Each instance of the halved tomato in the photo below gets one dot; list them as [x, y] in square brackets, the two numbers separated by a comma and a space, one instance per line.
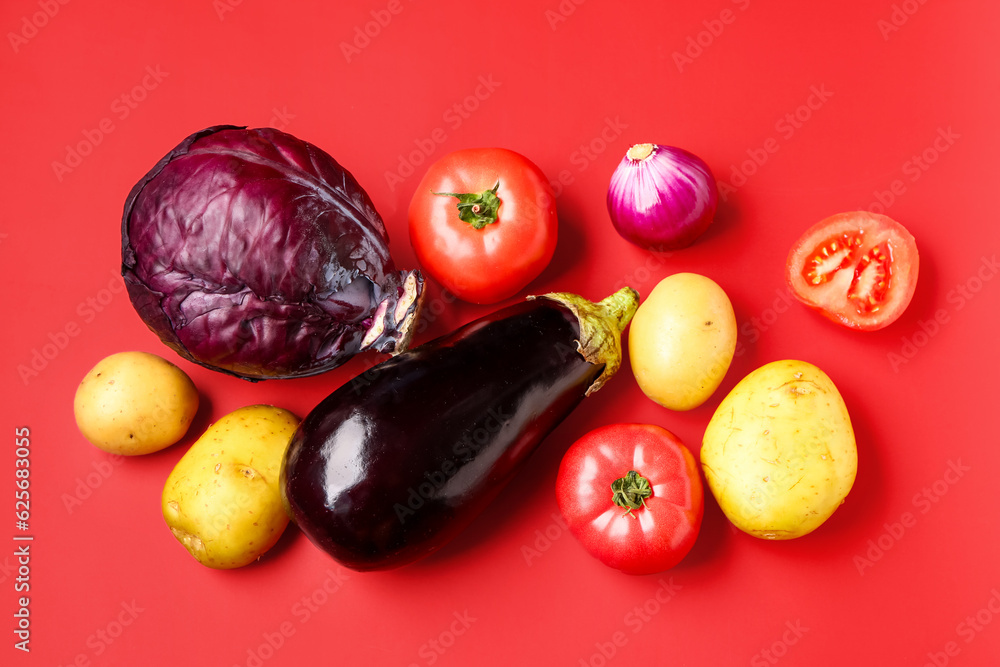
[858, 268]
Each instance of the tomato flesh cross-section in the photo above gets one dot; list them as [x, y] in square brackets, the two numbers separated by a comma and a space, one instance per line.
[858, 269]
[835, 254]
[872, 278]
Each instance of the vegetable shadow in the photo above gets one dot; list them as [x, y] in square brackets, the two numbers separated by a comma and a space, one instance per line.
[866, 502]
[529, 500]
[290, 535]
[169, 456]
[925, 303]
[715, 531]
[727, 214]
[570, 245]
[529, 497]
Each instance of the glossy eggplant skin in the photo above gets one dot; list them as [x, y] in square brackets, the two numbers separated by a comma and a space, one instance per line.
[394, 464]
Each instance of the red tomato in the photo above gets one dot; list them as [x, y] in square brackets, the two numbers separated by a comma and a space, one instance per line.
[483, 223]
[859, 269]
[632, 495]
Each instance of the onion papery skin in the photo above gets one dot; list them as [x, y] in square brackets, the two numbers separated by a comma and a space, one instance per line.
[662, 197]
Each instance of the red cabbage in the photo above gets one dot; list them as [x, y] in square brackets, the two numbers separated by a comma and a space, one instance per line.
[255, 253]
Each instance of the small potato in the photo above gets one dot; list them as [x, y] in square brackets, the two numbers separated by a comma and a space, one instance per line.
[223, 500]
[134, 403]
[779, 453]
[682, 340]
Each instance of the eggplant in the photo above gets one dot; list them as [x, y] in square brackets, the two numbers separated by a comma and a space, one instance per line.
[395, 463]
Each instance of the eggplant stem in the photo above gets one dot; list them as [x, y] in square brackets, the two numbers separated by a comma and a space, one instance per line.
[601, 327]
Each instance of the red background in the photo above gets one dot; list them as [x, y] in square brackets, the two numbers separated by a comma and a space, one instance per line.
[571, 85]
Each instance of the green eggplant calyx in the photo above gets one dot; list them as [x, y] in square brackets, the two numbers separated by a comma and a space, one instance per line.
[601, 327]
[477, 208]
[631, 491]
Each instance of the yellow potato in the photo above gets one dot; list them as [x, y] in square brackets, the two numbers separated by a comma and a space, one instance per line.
[223, 499]
[134, 403]
[682, 340]
[779, 453]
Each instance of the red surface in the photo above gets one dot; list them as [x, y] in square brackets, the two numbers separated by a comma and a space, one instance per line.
[801, 109]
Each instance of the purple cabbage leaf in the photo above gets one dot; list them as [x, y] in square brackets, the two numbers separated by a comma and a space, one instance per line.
[255, 253]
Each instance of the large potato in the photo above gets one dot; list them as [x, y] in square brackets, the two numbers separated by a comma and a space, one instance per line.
[222, 501]
[779, 453]
[134, 403]
[682, 340]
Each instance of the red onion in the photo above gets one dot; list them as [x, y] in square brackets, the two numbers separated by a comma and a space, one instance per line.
[662, 197]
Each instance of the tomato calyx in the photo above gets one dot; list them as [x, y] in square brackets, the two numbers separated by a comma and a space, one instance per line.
[631, 491]
[477, 208]
[652, 475]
